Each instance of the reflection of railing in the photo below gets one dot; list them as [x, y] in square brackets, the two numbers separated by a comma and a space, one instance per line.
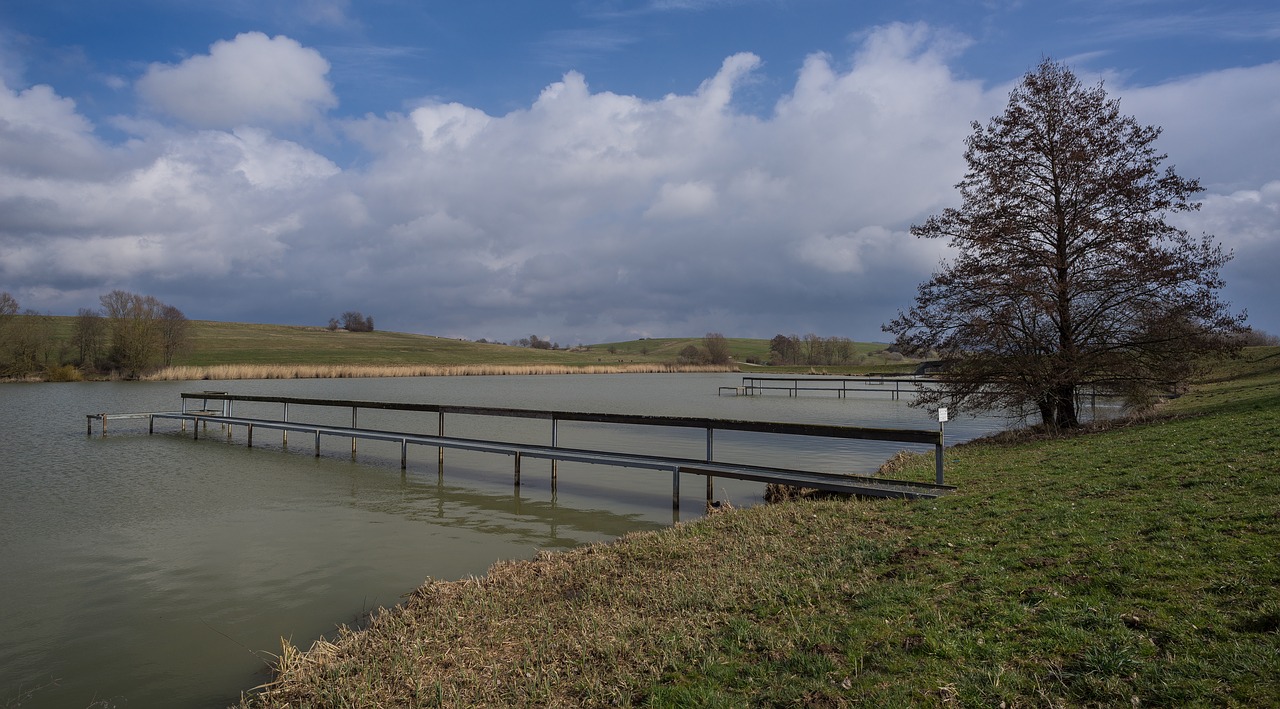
[794, 386]
[709, 467]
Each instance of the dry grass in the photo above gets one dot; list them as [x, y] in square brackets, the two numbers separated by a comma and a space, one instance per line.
[352, 371]
[594, 626]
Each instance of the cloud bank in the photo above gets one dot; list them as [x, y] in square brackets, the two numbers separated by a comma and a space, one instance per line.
[584, 217]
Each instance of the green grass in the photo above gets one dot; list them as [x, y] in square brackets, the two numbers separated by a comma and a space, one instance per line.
[1136, 566]
[213, 343]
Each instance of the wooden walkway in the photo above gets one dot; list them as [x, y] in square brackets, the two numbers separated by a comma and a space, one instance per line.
[201, 416]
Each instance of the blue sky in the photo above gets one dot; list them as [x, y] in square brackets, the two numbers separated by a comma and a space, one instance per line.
[583, 171]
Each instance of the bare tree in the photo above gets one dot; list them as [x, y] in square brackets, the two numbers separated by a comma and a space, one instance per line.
[355, 321]
[174, 328]
[1068, 273]
[26, 344]
[135, 331]
[717, 348]
[87, 337]
[8, 306]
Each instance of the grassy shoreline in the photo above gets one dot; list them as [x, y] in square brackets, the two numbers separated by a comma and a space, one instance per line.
[1132, 567]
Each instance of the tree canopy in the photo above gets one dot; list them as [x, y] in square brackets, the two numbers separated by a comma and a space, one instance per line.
[1068, 272]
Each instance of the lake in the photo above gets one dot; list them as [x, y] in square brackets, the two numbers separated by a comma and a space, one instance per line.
[159, 570]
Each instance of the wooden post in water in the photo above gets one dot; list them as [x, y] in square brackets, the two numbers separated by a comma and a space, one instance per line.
[284, 432]
[517, 468]
[353, 438]
[317, 443]
[250, 436]
[404, 453]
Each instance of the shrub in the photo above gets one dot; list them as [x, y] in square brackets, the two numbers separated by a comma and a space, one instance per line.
[63, 373]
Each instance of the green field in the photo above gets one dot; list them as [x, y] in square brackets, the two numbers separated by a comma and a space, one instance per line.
[213, 343]
[1135, 566]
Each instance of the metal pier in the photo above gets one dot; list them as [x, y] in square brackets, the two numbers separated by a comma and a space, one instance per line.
[200, 417]
[753, 385]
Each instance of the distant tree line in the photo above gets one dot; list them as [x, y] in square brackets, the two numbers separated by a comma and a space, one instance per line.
[810, 350]
[535, 342]
[129, 336]
[352, 321]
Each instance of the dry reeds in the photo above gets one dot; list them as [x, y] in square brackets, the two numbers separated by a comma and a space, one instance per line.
[352, 371]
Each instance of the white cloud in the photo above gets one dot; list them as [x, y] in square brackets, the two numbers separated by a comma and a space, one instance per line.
[1222, 127]
[250, 80]
[584, 216]
[42, 134]
[683, 201]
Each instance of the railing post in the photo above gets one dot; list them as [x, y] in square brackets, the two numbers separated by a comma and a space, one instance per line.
[555, 443]
[284, 432]
[440, 454]
[404, 453]
[710, 455]
[353, 436]
[675, 488]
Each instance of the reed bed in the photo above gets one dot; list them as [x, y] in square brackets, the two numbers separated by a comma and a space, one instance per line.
[353, 371]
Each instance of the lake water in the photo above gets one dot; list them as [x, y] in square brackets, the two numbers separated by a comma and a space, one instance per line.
[158, 570]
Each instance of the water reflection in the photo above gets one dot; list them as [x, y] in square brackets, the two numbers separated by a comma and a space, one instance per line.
[160, 571]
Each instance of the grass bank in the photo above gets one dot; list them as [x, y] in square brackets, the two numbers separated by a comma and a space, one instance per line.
[1131, 567]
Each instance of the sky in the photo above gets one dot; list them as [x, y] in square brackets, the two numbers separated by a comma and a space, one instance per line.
[581, 171]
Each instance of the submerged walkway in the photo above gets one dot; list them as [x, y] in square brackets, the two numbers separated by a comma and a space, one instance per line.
[708, 466]
[755, 385]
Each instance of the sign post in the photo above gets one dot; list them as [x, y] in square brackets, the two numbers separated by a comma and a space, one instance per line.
[942, 420]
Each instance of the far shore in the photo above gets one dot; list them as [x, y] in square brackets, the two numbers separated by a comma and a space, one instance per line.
[353, 371]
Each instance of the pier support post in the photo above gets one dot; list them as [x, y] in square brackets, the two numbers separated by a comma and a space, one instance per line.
[555, 443]
[517, 468]
[404, 453]
[151, 425]
[710, 455]
[317, 443]
[195, 428]
[249, 434]
[440, 454]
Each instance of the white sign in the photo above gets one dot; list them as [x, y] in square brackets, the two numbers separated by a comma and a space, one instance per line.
[942, 415]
